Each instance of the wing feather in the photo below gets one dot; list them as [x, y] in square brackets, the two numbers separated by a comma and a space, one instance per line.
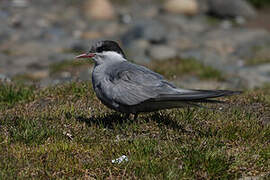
[131, 84]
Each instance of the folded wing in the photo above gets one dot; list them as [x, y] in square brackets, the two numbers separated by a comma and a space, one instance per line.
[131, 84]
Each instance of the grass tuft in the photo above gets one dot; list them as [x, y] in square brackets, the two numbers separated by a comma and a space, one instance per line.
[11, 94]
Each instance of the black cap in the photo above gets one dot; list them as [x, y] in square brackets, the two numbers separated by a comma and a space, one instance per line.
[103, 46]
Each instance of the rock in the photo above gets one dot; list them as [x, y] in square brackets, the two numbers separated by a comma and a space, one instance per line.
[111, 29]
[234, 41]
[125, 18]
[155, 32]
[150, 30]
[78, 46]
[40, 74]
[133, 33]
[162, 52]
[188, 7]
[252, 178]
[184, 24]
[99, 9]
[231, 8]
[136, 51]
[203, 6]
[91, 35]
[4, 78]
[255, 76]
[150, 12]
[20, 3]
[16, 21]
[182, 42]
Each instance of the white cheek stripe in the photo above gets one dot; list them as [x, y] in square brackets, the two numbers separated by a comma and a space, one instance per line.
[112, 54]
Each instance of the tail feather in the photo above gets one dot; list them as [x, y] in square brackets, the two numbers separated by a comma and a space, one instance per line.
[196, 96]
[186, 98]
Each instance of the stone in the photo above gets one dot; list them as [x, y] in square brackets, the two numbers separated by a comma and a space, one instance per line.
[184, 24]
[78, 46]
[231, 8]
[111, 29]
[99, 9]
[252, 178]
[234, 41]
[162, 52]
[125, 18]
[136, 51]
[40, 74]
[255, 76]
[150, 30]
[91, 35]
[20, 3]
[188, 7]
[4, 78]
[182, 43]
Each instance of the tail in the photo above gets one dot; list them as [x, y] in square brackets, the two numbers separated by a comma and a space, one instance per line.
[196, 96]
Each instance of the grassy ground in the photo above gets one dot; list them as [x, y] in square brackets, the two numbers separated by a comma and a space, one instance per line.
[65, 132]
[259, 3]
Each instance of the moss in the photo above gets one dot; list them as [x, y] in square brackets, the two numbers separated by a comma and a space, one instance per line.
[7, 52]
[257, 61]
[21, 78]
[259, 3]
[67, 65]
[183, 67]
[261, 55]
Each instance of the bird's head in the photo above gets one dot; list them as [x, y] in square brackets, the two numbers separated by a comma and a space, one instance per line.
[104, 52]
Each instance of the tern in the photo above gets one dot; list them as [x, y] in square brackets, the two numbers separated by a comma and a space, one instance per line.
[131, 89]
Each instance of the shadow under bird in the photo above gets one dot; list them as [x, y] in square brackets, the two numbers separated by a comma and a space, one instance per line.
[132, 89]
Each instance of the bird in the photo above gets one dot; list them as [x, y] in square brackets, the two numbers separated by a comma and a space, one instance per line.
[132, 89]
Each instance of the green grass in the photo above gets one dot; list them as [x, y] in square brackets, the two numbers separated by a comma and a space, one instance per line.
[261, 56]
[67, 65]
[25, 78]
[64, 132]
[186, 67]
[260, 3]
[10, 94]
[257, 61]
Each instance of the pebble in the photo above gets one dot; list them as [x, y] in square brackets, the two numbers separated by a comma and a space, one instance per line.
[231, 8]
[99, 10]
[121, 159]
[20, 3]
[162, 52]
[188, 7]
[4, 78]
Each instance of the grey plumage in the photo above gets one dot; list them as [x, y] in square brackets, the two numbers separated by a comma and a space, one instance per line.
[130, 88]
